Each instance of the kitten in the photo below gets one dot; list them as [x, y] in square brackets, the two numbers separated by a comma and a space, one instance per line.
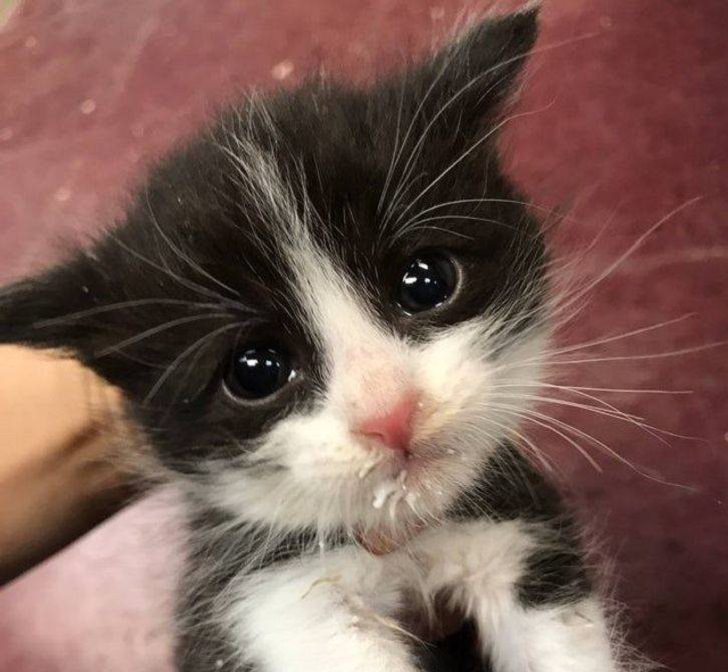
[319, 312]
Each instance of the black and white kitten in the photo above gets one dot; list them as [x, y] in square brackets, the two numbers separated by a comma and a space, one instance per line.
[320, 312]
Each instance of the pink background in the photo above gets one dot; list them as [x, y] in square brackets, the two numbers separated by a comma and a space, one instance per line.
[629, 123]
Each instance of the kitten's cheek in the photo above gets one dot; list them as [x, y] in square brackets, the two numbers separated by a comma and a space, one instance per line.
[453, 370]
[319, 449]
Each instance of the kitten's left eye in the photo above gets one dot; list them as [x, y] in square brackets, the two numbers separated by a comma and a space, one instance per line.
[428, 282]
[258, 372]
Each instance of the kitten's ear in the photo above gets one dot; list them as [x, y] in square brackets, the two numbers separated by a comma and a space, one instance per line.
[473, 76]
[45, 311]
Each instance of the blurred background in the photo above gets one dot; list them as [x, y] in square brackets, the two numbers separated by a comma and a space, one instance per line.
[629, 101]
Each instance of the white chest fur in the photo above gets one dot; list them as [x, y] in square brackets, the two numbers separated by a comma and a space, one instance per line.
[339, 611]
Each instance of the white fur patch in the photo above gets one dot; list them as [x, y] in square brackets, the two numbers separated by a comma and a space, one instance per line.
[339, 610]
[569, 638]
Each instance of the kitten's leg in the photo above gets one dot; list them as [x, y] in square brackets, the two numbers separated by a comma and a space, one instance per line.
[527, 594]
[570, 637]
[332, 613]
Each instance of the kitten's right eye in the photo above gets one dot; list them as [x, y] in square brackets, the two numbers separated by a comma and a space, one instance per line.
[258, 372]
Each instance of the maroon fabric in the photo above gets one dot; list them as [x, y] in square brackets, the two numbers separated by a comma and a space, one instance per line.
[626, 107]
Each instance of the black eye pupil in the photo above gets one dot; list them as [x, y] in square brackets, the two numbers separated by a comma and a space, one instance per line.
[428, 282]
[258, 372]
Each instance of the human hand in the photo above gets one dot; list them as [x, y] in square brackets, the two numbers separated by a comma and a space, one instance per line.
[56, 478]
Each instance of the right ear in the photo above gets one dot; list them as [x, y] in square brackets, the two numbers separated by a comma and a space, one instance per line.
[94, 307]
[38, 311]
[125, 315]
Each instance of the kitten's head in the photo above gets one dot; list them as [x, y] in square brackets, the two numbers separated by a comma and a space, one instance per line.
[319, 309]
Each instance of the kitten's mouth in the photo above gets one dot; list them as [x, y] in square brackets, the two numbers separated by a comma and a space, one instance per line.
[402, 494]
[402, 480]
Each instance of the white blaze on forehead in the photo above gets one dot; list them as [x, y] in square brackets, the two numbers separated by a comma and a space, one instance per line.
[368, 366]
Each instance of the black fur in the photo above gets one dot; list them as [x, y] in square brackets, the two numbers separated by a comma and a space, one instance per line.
[197, 253]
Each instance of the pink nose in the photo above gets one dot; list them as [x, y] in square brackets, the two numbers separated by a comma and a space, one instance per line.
[394, 428]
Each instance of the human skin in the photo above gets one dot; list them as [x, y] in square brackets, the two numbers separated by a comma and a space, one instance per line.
[56, 478]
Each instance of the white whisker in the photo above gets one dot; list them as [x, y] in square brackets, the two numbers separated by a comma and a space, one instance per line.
[121, 305]
[464, 155]
[625, 255]
[183, 355]
[619, 337]
[654, 355]
[171, 324]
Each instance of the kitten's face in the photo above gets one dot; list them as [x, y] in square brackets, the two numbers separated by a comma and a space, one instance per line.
[320, 309]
